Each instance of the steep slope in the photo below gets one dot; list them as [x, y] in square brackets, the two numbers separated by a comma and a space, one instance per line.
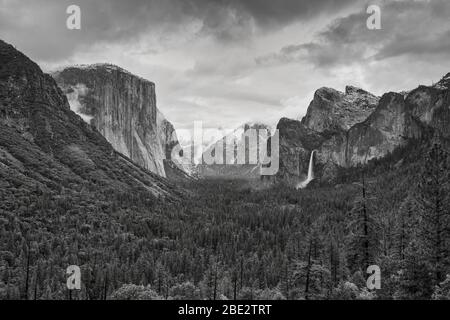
[123, 108]
[45, 146]
[388, 127]
[174, 169]
[431, 105]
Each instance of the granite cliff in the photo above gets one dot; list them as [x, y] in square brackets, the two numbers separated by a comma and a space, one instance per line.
[47, 148]
[123, 108]
[296, 143]
[332, 110]
[351, 128]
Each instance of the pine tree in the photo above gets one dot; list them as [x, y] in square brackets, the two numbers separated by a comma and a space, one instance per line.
[406, 221]
[433, 198]
[363, 240]
[415, 281]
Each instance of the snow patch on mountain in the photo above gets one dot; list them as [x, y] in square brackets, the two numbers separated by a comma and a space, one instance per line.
[78, 91]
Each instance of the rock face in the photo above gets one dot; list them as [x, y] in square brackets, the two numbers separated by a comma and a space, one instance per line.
[324, 128]
[355, 127]
[296, 143]
[388, 127]
[123, 108]
[46, 146]
[431, 105]
[332, 110]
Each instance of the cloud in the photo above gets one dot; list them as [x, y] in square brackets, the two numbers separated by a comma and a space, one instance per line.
[409, 28]
[77, 92]
[38, 26]
[434, 43]
[269, 13]
[227, 62]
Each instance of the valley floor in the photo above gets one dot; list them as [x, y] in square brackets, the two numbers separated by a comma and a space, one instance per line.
[225, 240]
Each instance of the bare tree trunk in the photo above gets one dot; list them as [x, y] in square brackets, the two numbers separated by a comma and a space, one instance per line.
[287, 282]
[27, 276]
[215, 284]
[36, 284]
[242, 272]
[308, 270]
[105, 287]
[366, 222]
[235, 285]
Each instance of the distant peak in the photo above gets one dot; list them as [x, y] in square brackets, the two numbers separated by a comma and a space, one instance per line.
[349, 90]
[353, 90]
[327, 90]
[444, 83]
[17, 60]
[254, 125]
[103, 67]
[95, 66]
[328, 94]
[446, 78]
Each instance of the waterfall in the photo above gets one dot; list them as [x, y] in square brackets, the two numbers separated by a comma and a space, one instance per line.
[310, 177]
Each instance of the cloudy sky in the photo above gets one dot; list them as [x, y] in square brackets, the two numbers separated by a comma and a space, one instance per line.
[227, 62]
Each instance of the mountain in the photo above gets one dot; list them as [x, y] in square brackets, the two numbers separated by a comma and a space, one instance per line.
[296, 143]
[123, 108]
[240, 157]
[352, 128]
[389, 126]
[431, 105]
[47, 148]
[334, 110]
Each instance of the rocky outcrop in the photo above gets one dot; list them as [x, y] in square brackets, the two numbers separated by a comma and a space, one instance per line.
[355, 127]
[332, 110]
[123, 108]
[431, 105]
[45, 146]
[174, 168]
[296, 143]
[388, 127]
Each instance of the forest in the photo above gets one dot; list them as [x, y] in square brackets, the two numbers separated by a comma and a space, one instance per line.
[227, 240]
